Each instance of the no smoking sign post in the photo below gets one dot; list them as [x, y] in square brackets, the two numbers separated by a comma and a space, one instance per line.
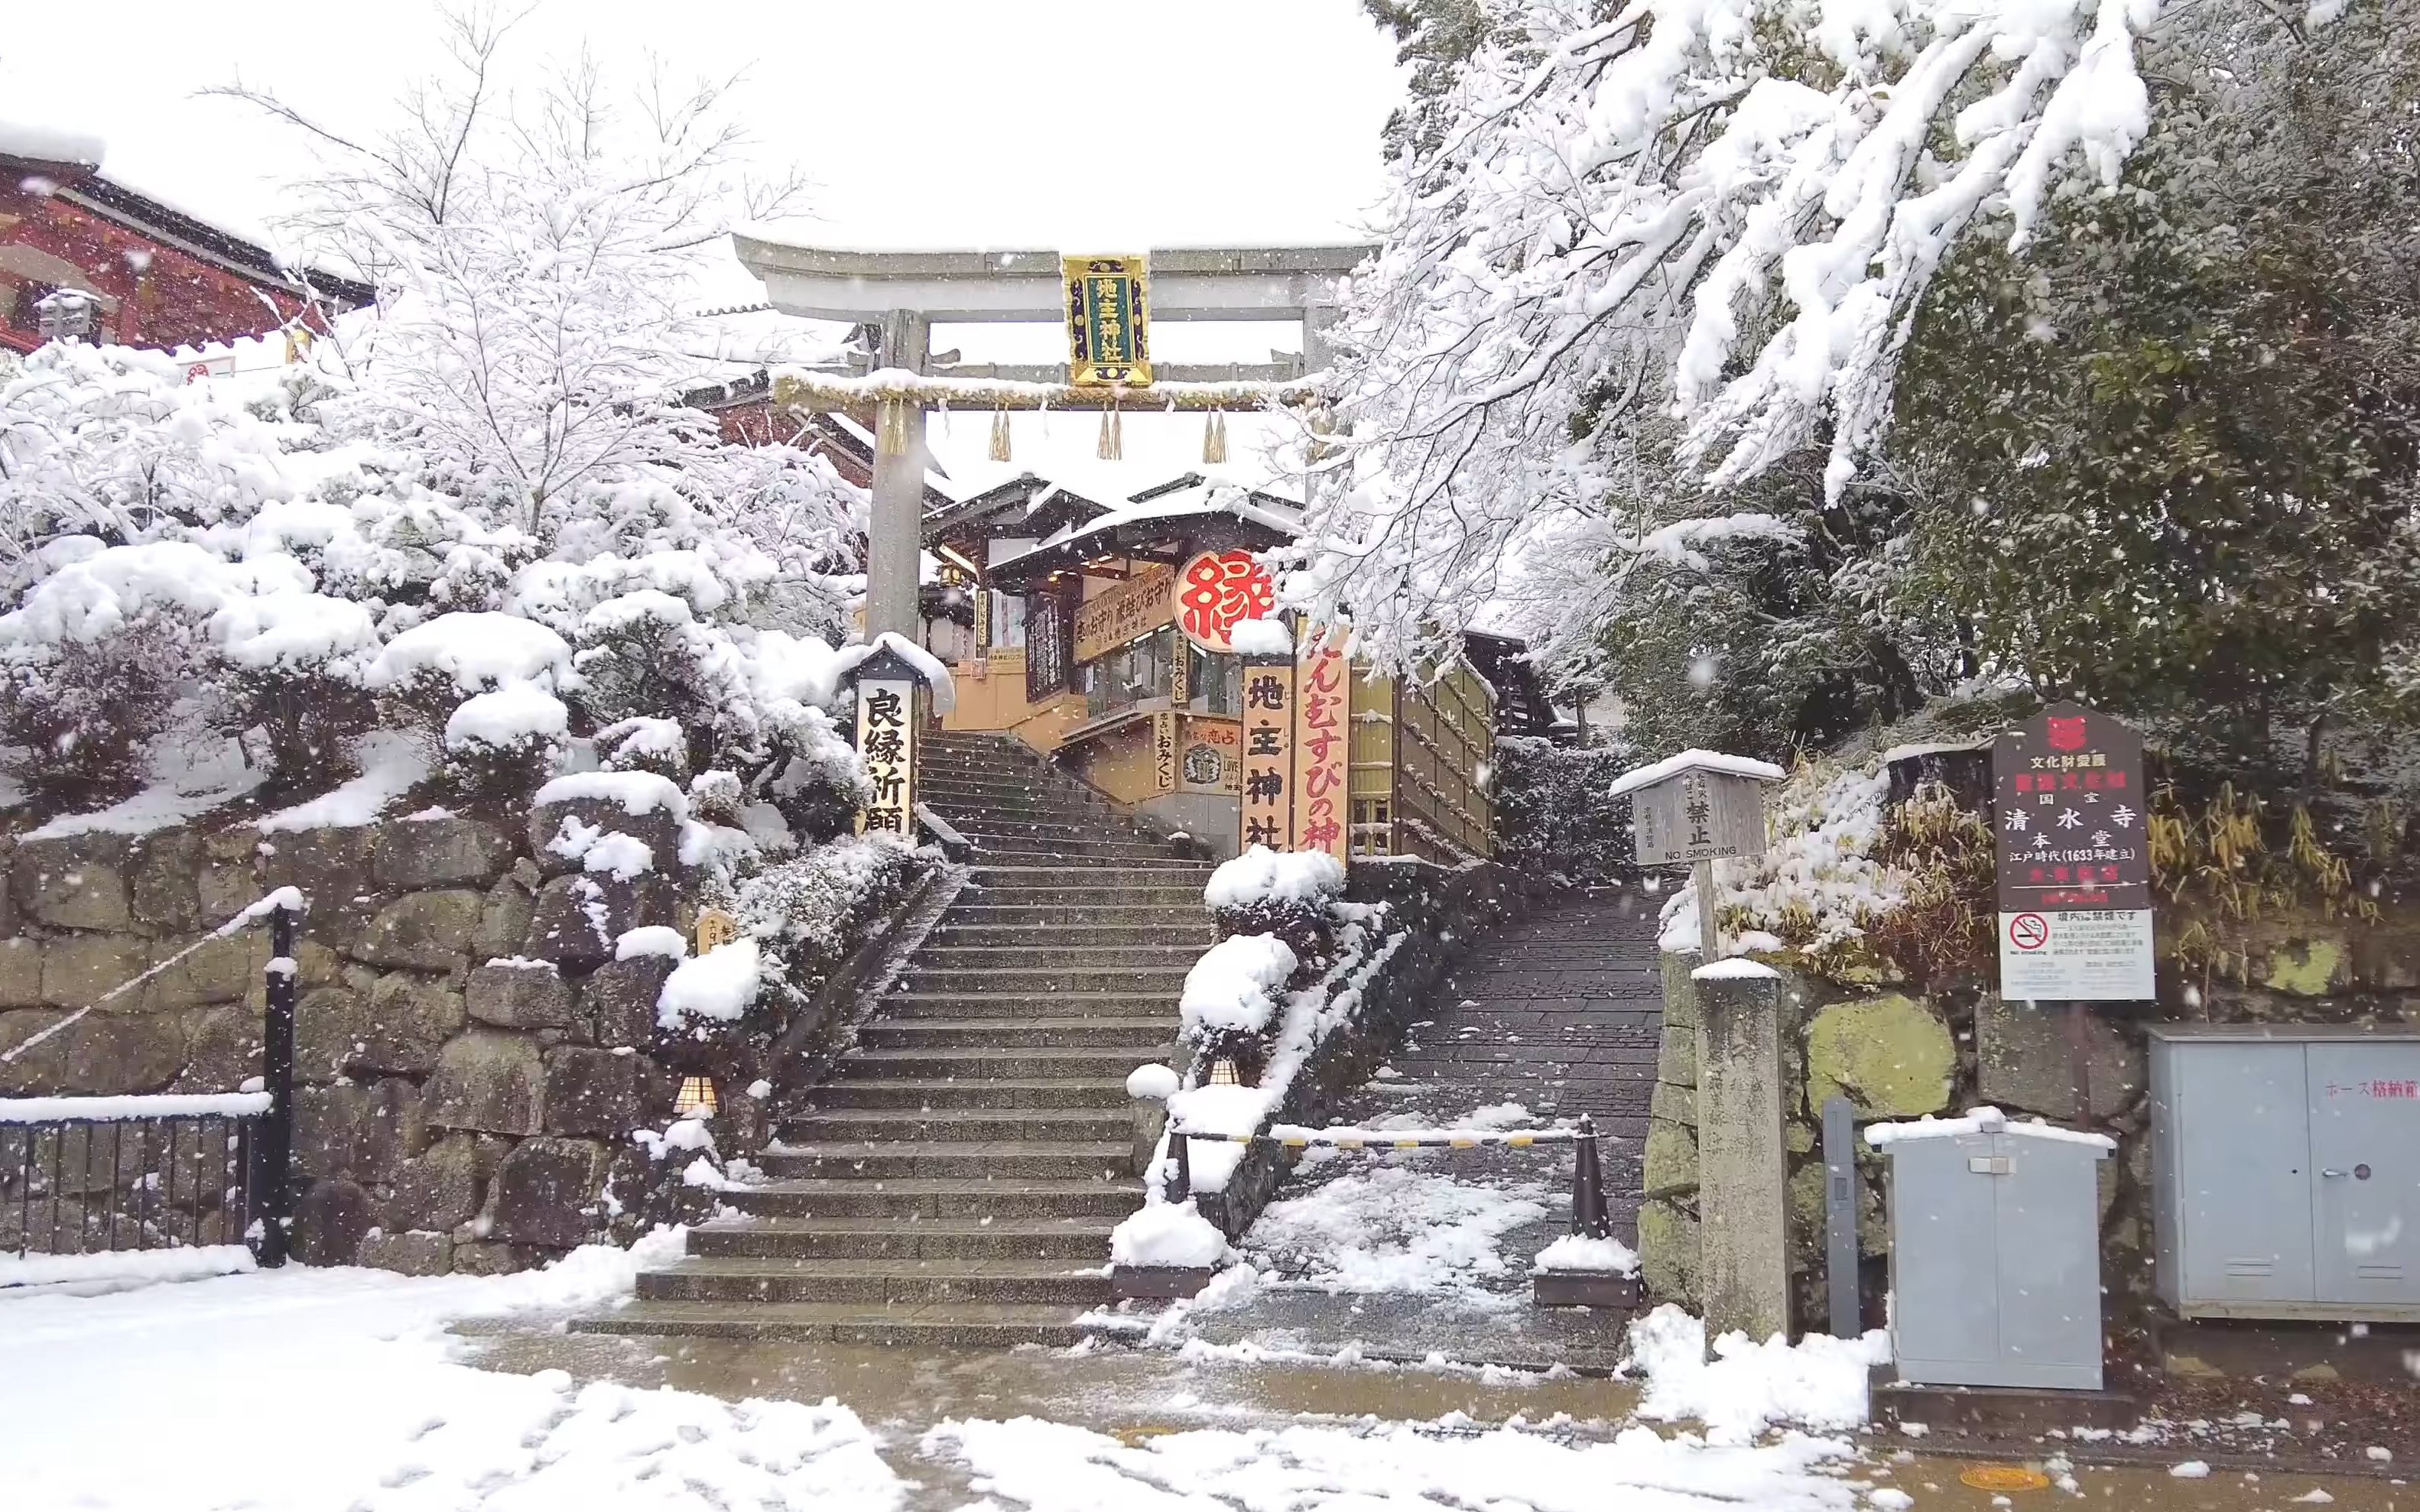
[2069, 812]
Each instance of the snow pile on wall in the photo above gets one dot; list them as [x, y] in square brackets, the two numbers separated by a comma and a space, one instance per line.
[1261, 876]
[1235, 985]
[1593, 1257]
[1821, 881]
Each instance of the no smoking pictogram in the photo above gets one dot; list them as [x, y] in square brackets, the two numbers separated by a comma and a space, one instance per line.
[2030, 931]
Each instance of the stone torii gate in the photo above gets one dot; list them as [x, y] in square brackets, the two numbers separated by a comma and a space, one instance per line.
[903, 295]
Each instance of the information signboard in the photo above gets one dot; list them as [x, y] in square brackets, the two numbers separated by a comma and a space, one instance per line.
[2070, 814]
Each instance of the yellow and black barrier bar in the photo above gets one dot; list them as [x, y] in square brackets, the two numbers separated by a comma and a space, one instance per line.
[1380, 1139]
[1589, 1215]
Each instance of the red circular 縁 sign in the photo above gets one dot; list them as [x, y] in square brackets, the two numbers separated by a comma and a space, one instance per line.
[2030, 931]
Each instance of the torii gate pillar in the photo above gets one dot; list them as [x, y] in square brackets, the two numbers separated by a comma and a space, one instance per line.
[895, 540]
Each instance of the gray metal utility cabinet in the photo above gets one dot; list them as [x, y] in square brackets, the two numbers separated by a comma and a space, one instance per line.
[1996, 1252]
[2285, 1170]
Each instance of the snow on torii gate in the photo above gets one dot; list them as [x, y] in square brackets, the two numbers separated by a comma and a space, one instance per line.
[905, 294]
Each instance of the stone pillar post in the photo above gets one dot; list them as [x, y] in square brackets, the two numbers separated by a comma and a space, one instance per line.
[894, 530]
[1742, 1168]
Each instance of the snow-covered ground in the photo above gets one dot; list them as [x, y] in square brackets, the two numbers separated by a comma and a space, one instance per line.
[342, 1390]
[1052, 1467]
[338, 1391]
[1393, 1226]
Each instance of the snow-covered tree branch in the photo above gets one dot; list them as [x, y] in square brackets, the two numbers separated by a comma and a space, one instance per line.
[1634, 259]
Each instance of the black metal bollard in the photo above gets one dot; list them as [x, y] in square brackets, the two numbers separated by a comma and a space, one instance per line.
[273, 1178]
[1180, 1185]
[1589, 1216]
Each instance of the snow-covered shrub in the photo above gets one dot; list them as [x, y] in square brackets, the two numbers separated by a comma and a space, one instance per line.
[1279, 893]
[807, 909]
[1554, 813]
[477, 509]
[1233, 995]
[81, 712]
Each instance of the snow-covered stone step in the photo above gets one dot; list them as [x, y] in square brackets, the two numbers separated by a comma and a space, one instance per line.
[955, 934]
[1017, 1031]
[1054, 881]
[979, 908]
[741, 1279]
[1081, 1240]
[1148, 981]
[980, 1093]
[1073, 947]
[924, 1325]
[1051, 1161]
[943, 1063]
[991, 1195]
[1010, 1125]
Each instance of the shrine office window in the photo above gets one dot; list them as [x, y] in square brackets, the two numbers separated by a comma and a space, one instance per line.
[1214, 683]
[1007, 620]
[1138, 671]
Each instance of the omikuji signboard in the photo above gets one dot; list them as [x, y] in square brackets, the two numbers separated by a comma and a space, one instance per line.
[2069, 811]
[1109, 321]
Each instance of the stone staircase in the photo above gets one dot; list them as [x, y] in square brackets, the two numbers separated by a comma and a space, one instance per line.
[956, 1181]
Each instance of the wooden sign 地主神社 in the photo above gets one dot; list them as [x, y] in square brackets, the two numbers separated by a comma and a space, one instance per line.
[1265, 806]
[2070, 814]
[1109, 321]
[715, 929]
[1323, 743]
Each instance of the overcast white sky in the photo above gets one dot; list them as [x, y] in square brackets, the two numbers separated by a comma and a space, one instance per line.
[999, 122]
[1107, 125]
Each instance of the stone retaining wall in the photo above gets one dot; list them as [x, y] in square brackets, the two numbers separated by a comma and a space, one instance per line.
[470, 1058]
[1896, 1054]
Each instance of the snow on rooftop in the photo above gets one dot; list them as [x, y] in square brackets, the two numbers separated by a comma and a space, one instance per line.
[50, 143]
[1710, 761]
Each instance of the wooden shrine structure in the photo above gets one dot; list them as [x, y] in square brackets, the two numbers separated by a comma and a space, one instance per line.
[1105, 628]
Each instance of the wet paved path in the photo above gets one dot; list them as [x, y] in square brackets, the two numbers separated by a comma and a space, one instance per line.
[1558, 1014]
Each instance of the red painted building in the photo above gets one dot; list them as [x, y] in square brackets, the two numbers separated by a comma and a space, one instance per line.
[162, 278]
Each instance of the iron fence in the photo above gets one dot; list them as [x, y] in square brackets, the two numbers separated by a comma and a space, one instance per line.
[87, 1175]
[91, 1175]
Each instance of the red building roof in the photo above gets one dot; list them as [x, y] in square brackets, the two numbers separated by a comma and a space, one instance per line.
[163, 277]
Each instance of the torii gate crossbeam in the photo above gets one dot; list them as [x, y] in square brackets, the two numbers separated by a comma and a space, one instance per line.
[904, 294]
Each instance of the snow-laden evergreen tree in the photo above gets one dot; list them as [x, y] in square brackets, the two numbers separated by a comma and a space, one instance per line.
[2148, 441]
[1638, 255]
[478, 509]
[2165, 461]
